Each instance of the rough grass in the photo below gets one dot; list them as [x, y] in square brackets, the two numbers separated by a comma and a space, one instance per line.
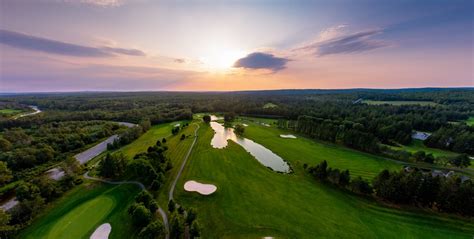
[83, 209]
[253, 202]
[395, 102]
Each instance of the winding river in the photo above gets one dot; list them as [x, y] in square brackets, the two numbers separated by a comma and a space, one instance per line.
[258, 151]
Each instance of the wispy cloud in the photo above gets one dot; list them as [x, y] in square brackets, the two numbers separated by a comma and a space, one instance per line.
[261, 60]
[33, 43]
[100, 3]
[336, 41]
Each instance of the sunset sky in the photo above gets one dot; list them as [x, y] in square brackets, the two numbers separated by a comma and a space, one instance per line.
[141, 45]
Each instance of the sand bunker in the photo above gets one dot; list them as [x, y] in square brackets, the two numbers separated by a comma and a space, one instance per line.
[102, 232]
[245, 125]
[201, 188]
[177, 125]
[288, 136]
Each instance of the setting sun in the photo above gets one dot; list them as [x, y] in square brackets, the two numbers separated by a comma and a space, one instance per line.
[221, 58]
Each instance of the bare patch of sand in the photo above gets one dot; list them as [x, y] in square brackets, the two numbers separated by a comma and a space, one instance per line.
[102, 232]
[245, 125]
[288, 136]
[201, 188]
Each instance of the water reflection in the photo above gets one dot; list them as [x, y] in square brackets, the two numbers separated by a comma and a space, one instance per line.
[262, 154]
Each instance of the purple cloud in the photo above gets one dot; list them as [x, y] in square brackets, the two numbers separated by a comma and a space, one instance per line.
[260, 60]
[346, 44]
[33, 43]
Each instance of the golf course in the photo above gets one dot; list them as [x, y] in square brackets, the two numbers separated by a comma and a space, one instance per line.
[254, 202]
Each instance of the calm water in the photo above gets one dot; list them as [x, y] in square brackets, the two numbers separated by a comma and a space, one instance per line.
[262, 154]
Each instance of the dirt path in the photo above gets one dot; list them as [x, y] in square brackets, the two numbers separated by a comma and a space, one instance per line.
[160, 210]
[170, 195]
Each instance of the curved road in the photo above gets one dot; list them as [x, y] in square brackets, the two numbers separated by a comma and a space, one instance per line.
[170, 195]
[160, 210]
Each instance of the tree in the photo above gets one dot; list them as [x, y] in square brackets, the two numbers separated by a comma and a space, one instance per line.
[152, 230]
[5, 173]
[195, 230]
[5, 145]
[359, 185]
[147, 199]
[141, 216]
[171, 206]
[145, 124]
[26, 191]
[183, 137]
[239, 129]
[163, 140]
[461, 161]
[320, 171]
[206, 119]
[176, 226]
[229, 117]
[158, 143]
[191, 216]
[112, 166]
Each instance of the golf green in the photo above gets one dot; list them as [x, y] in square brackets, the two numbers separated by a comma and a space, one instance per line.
[82, 210]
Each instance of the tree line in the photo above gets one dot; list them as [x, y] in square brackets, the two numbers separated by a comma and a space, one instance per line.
[453, 194]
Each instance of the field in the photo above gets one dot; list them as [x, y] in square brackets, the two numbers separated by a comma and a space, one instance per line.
[422, 103]
[253, 201]
[83, 209]
[10, 111]
[417, 145]
[269, 106]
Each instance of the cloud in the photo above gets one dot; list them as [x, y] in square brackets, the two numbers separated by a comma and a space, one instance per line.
[260, 60]
[100, 3]
[131, 52]
[179, 60]
[33, 43]
[334, 41]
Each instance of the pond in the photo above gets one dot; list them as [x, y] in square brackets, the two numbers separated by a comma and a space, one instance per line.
[262, 154]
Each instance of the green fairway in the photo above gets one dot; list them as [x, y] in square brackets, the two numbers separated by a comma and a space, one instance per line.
[417, 145]
[82, 210]
[148, 139]
[254, 202]
[422, 103]
[303, 150]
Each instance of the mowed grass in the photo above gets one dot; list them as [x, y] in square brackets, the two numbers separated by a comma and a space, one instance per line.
[148, 139]
[253, 202]
[83, 209]
[422, 103]
[304, 150]
[417, 145]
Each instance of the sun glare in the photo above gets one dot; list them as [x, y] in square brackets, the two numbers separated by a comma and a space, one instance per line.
[221, 59]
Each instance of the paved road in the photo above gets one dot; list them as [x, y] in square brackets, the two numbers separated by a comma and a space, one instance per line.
[170, 195]
[139, 184]
[36, 111]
